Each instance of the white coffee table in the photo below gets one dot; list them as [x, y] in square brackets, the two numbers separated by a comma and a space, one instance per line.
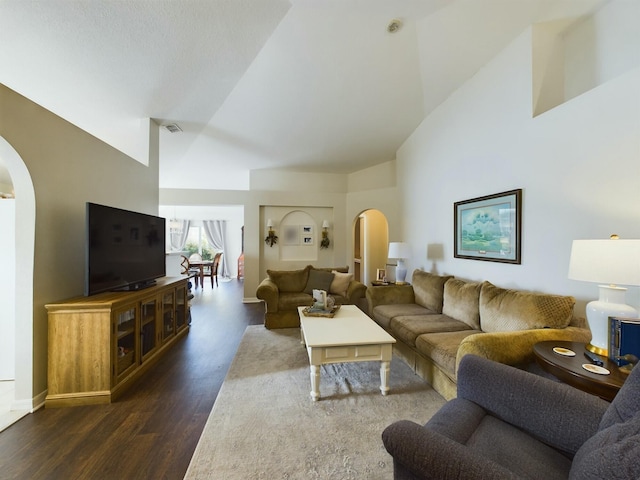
[350, 336]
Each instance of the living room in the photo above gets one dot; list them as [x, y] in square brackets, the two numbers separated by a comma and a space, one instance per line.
[576, 161]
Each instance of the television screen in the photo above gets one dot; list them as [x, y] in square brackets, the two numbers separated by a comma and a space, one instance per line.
[125, 250]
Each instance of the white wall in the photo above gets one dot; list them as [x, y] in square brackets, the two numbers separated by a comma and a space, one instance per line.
[7, 289]
[578, 164]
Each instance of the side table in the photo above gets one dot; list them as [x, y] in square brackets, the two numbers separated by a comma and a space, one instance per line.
[570, 371]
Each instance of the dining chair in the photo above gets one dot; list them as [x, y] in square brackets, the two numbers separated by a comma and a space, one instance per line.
[212, 271]
[195, 257]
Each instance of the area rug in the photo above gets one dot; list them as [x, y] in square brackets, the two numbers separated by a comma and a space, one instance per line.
[264, 424]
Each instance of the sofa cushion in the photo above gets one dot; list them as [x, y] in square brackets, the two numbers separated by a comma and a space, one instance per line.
[340, 283]
[318, 280]
[503, 310]
[462, 301]
[442, 348]
[293, 300]
[429, 289]
[408, 327]
[611, 453]
[289, 281]
[383, 314]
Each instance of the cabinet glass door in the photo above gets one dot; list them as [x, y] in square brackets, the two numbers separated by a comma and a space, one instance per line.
[182, 309]
[168, 315]
[125, 336]
[148, 332]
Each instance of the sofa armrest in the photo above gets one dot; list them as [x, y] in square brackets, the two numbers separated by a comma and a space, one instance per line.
[268, 291]
[389, 294]
[516, 348]
[430, 455]
[557, 414]
[355, 291]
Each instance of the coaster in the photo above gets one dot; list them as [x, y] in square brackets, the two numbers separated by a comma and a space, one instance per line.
[564, 352]
[595, 369]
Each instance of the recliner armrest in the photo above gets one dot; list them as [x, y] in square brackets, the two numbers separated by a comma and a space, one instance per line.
[430, 455]
[268, 291]
[524, 399]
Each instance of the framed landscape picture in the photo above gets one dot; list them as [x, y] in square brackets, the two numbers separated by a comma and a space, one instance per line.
[488, 228]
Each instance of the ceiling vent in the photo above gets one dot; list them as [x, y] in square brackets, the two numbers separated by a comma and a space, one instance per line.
[173, 128]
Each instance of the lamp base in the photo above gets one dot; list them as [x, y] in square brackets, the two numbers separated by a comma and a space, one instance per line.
[401, 272]
[609, 304]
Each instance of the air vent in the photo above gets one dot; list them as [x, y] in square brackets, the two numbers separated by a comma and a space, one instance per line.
[173, 128]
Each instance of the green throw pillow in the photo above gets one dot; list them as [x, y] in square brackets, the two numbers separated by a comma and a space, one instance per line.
[318, 280]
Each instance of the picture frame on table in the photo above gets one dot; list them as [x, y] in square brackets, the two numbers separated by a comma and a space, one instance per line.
[489, 228]
[381, 274]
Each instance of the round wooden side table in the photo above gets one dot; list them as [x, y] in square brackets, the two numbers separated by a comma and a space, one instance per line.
[570, 370]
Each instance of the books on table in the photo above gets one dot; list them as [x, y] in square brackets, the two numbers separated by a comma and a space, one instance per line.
[624, 338]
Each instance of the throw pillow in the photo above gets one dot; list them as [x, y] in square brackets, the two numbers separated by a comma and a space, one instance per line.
[611, 453]
[289, 281]
[340, 283]
[503, 310]
[462, 301]
[429, 289]
[318, 280]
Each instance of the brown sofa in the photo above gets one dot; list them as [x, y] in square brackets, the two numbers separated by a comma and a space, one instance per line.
[438, 319]
[284, 291]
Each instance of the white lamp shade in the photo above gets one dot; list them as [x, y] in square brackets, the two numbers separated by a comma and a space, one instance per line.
[607, 262]
[614, 262]
[269, 223]
[399, 250]
[325, 224]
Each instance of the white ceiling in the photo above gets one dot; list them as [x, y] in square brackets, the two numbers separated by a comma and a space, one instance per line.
[309, 85]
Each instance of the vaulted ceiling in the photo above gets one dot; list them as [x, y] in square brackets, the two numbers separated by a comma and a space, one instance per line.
[307, 85]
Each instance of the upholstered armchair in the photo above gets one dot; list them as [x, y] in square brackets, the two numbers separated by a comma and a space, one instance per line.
[511, 424]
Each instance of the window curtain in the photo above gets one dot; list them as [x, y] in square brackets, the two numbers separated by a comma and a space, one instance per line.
[215, 230]
[178, 235]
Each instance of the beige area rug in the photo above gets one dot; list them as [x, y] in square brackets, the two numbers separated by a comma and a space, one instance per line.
[264, 424]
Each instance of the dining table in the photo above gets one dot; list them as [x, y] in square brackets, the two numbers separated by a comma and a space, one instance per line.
[200, 264]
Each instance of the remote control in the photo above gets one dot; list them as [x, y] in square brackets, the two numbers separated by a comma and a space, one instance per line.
[594, 359]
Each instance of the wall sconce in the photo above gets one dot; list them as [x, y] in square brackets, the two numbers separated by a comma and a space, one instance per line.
[271, 238]
[325, 242]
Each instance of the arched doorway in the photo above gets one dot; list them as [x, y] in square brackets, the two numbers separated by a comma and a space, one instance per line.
[24, 230]
[370, 243]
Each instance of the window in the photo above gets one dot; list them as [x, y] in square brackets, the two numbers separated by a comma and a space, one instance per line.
[197, 243]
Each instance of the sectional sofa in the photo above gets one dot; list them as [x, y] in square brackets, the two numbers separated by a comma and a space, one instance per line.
[436, 320]
[284, 290]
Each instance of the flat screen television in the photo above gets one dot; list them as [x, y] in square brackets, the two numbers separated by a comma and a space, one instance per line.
[124, 250]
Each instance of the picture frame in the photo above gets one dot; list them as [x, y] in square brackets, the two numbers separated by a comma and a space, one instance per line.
[381, 274]
[290, 235]
[489, 228]
[306, 234]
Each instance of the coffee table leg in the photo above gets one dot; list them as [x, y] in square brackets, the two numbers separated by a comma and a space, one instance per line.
[315, 382]
[385, 368]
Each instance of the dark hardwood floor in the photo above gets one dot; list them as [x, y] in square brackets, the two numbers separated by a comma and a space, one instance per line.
[152, 430]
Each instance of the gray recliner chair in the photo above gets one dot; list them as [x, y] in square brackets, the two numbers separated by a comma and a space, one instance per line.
[511, 424]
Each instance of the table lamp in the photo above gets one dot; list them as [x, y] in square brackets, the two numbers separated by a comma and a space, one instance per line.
[399, 251]
[610, 263]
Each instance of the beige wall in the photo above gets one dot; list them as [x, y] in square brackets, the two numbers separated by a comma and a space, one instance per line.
[67, 168]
